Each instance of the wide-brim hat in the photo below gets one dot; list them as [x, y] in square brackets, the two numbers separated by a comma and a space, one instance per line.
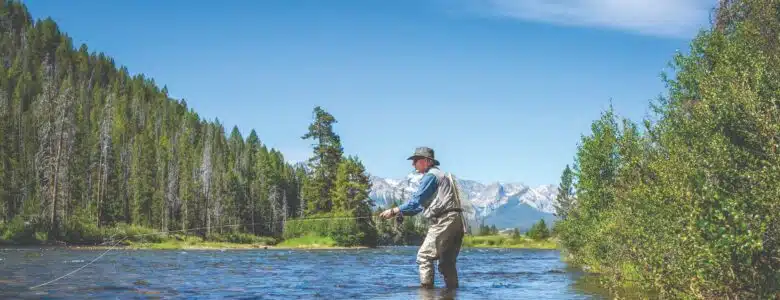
[424, 152]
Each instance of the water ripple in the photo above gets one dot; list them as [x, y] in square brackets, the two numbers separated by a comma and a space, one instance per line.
[383, 273]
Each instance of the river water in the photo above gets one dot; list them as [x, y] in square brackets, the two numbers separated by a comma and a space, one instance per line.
[382, 273]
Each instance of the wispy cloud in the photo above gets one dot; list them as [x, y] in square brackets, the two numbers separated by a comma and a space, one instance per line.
[665, 18]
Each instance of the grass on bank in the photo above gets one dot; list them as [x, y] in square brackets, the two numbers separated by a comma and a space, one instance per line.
[507, 241]
[176, 242]
[310, 240]
[86, 235]
[132, 236]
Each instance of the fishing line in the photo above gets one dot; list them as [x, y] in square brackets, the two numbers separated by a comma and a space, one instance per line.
[79, 269]
[115, 244]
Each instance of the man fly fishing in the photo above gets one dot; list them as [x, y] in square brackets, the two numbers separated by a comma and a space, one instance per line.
[437, 199]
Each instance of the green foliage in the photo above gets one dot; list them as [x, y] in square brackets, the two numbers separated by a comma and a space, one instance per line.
[502, 241]
[83, 230]
[309, 240]
[688, 208]
[241, 238]
[21, 231]
[340, 226]
[538, 231]
[324, 163]
[351, 187]
[488, 230]
[335, 187]
[88, 151]
[565, 196]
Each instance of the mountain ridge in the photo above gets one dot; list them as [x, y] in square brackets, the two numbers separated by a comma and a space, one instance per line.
[500, 203]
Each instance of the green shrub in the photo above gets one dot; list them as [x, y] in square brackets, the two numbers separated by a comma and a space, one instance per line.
[689, 208]
[340, 226]
[134, 233]
[83, 230]
[241, 238]
[23, 231]
[539, 231]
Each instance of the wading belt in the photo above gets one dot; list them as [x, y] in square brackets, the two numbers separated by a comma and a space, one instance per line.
[448, 210]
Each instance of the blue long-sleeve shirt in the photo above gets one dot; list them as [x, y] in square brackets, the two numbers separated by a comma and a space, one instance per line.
[423, 196]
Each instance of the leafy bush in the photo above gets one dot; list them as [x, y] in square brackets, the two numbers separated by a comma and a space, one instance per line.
[340, 226]
[689, 208]
[22, 231]
[241, 238]
[504, 241]
[81, 229]
[134, 233]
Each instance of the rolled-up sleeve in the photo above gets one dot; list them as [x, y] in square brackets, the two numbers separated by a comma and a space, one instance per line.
[420, 198]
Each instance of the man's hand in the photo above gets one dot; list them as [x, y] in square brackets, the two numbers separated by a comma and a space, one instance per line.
[387, 214]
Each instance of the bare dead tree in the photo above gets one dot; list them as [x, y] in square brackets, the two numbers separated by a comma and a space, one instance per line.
[216, 199]
[125, 161]
[104, 144]
[284, 208]
[5, 204]
[65, 138]
[273, 199]
[171, 195]
[44, 113]
[205, 176]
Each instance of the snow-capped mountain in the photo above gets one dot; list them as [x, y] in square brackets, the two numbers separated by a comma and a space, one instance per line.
[505, 205]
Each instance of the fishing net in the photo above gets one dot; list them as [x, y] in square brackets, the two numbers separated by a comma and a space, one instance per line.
[471, 220]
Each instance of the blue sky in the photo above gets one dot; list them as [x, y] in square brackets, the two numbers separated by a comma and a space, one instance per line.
[501, 89]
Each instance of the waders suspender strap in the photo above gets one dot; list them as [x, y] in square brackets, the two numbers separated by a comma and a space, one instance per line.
[457, 200]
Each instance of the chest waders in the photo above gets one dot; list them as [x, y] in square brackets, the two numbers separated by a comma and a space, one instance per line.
[443, 241]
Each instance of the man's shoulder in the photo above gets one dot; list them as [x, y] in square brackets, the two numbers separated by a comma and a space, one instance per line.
[435, 172]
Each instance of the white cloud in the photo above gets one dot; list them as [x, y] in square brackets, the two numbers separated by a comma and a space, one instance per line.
[665, 18]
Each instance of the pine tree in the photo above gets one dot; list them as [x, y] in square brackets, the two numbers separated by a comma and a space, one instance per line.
[251, 186]
[565, 196]
[539, 231]
[670, 210]
[85, 147]
[350, 193]
[324, 164]
[351, 187]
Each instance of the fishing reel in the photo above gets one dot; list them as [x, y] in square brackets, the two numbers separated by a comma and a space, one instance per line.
[398, 222]
[399, 219]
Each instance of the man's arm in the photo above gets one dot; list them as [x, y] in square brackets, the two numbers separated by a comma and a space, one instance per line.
[423, 195]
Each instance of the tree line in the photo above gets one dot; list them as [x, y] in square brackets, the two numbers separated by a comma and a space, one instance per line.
[84, 145]
[686, 205]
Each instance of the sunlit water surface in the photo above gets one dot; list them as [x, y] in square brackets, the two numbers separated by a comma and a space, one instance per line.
[383, 273]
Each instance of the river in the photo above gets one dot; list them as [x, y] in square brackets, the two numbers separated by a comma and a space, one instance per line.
[382, 273]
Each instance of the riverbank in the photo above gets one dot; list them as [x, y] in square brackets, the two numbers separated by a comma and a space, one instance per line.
[189, 242]
[504, 241]
[184, 246]
[306, 243]
[138, 238]
[208, 246]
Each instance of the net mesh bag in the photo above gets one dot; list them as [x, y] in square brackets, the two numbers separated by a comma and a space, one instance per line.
[471, 220]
